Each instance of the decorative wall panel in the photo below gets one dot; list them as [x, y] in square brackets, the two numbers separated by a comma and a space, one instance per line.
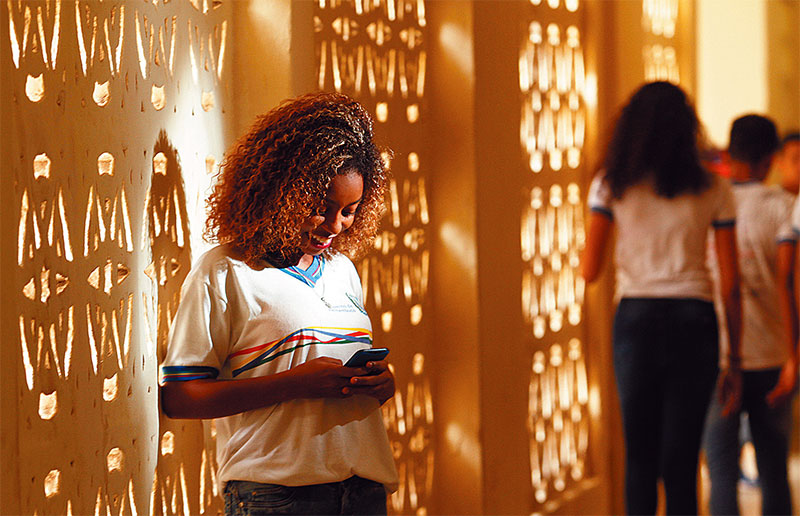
[375, 51]
[659, 20]
[553, 89]
[116, 114]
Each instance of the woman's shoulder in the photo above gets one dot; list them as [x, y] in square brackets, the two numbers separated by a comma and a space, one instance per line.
[218, 260]
[342, 267]
[339, 261]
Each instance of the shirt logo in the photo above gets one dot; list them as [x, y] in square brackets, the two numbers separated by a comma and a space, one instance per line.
[353, 299]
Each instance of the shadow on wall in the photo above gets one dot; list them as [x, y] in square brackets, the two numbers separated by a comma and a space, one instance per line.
[181, 472]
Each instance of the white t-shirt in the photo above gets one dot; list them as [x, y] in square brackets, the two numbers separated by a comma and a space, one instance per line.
[762, 222]
[661, 243]
[796, 218]
[235, 322]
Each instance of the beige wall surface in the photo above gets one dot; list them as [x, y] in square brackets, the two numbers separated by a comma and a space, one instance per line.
[747, 62]
[783, 63]
[731, 63]
[114, 114]
[459, 465]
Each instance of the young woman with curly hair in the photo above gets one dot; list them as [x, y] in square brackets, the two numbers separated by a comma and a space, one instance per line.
[662, 203]
[268, 317]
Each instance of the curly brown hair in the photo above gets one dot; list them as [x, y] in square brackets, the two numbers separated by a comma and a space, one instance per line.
[656, 135]
[277, 174]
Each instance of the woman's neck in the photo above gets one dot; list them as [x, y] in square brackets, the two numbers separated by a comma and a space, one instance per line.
[305, 261]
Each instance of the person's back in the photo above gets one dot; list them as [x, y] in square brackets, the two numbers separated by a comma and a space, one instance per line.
[660, 249]
[762, 215]
[764, 240]
[660, 200]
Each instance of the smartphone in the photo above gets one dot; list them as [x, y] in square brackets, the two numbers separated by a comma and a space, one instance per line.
[362, 356]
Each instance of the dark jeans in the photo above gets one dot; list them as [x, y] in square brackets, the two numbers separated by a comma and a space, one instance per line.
[355, 495]
[665, 361]
[770, 429]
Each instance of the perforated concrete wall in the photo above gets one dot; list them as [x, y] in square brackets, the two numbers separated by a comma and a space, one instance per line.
[113, 119]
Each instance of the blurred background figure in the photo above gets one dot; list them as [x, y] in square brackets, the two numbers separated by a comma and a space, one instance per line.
[662, 202]
[766, 248]
[787, 162]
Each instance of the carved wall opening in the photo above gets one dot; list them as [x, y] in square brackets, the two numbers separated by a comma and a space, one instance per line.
[375, 51]
[117, 112]
[553, 96]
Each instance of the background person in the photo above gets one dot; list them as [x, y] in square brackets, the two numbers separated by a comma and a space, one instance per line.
[268, 316]
[787, 162]
[766, 249]
[661, 201]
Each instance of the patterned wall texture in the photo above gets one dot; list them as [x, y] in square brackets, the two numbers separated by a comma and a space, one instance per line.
[553, 88]
[375, 51]
[659, 20]
[117, 112]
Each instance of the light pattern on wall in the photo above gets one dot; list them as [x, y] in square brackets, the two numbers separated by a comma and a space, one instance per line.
[558, 418]
[659, 19]
[553, 91]
[99, 178]
[552, 238]
[409, 419]
[570, 5]
[553, 81]
[375, 51]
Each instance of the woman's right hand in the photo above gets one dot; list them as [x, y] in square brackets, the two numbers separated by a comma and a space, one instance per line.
[323, 377]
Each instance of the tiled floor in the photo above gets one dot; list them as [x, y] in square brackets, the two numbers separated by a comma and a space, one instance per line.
[750, 496]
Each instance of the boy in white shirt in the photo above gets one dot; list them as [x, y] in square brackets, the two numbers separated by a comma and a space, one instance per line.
[766, 248]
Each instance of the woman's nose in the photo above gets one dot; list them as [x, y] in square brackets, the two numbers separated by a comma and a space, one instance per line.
[333, 224]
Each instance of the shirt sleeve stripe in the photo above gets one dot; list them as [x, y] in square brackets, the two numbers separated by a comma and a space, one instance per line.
[728, 223]
[185, 373]
[603, 211]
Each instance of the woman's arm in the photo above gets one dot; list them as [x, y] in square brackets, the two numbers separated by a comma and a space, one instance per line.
[323, 377]
[730, 379]
[596, 240]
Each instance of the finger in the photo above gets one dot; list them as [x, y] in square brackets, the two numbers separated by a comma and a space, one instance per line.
[330, 360]
[355, 371]
[367, 380]
[381, 365]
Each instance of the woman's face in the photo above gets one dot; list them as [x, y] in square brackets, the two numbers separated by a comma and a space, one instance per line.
[341, 202]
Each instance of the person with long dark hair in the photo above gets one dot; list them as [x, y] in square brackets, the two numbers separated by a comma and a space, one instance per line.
[662, 203]
[268, 317]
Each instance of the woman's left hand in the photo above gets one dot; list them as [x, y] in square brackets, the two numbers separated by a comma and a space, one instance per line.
[379, 383]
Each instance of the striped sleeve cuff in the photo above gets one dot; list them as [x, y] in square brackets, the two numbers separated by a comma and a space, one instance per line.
[185, 373]
[602, 211]
[728, 223]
